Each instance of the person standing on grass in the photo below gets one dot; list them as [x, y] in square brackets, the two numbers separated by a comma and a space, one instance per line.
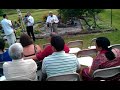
[52, 22]
[8, 30]
[29, 24]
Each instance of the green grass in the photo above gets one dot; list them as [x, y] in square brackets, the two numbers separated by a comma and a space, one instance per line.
[36, 13]
[104, 19]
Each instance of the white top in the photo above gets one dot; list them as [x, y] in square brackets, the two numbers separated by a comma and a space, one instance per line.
[7, 26]
[74, 50]
[30, 21]
[20, 70]
[87, 61]
[52, 19]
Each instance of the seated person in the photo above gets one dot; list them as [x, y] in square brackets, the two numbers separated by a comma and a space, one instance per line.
[29, 48]
[18, 68]
[105, 58]
[59, 62]
[48, 50]
[4, 56]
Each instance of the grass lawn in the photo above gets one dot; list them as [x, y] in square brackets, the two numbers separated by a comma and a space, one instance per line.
[104, 17]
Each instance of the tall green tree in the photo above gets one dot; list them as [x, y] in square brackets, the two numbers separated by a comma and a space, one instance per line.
[80, 13]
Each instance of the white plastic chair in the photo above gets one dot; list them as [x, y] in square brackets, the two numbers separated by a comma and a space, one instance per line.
[65, 77]
[107, 73]
[75, 46]
[85, 57]
[115, 46]
[91, 43]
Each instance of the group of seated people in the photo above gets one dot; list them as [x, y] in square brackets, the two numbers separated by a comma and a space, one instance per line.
[20, 59]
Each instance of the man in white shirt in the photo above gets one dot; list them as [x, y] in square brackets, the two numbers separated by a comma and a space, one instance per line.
[29, 24]
[8, 30]
[18, 68]
[52, 20]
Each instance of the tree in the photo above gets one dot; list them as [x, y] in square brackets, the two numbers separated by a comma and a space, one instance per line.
[94, 13]
[80, 14]
[1, 12]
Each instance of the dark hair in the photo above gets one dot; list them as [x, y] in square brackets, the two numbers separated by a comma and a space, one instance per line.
[104, 43]
[2, 44]
[25, 40]
[52, 34]
[4, 15]
[57, 42]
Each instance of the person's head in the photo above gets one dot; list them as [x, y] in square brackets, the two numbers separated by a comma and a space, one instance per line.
[52, 34]
[16, 51]
[103, 43]
[28, 13]
[5, 16]
[2, 44]
[25, 40]
[58, 43]
[51, 13]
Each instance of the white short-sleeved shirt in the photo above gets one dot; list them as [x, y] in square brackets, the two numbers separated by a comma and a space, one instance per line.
[52, 19]
[60, 63]
[30, 21]
[20, 69]
[7, 26]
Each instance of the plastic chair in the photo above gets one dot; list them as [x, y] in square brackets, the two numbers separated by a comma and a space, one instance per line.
[65, 77]
[85, 57]
[75, 46]
[87, 52]
[115, 46]
[91, 43]
[107, 74]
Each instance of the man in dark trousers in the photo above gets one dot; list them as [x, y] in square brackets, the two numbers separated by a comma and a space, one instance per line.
[29, 24]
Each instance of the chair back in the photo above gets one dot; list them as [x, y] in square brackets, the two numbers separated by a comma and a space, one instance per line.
[115, 46]
[112, 73]
[65, 77]
[92, 43]
[44, 45]
[76, 43]
[87, 52]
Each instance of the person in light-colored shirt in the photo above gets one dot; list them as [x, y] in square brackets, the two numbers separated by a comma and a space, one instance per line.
[19, 69]
[29, 23]
[8, 30]
[52, 21]
[59, 62]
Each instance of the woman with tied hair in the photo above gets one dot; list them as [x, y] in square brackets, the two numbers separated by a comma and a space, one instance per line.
[106, 57]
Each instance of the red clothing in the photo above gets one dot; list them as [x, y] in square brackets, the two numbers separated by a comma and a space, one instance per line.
[48, 51]
[101, 62]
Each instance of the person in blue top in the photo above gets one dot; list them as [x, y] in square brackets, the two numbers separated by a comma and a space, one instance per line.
[4, 56]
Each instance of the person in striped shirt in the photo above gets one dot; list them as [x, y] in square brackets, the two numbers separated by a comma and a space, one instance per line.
[59, 62]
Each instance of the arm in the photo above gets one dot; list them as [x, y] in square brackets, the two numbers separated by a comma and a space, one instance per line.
[48, 20]
[56, 19]
[46, 52]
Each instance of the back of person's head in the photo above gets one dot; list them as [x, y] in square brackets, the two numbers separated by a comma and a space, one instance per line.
[52, 34]
[58, 43]
[25, 40]
[16, 51]
[2, 44]
[4, 15]
[28, 13]
[104, 42]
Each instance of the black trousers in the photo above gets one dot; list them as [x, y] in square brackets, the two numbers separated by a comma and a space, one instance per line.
[30, 32]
